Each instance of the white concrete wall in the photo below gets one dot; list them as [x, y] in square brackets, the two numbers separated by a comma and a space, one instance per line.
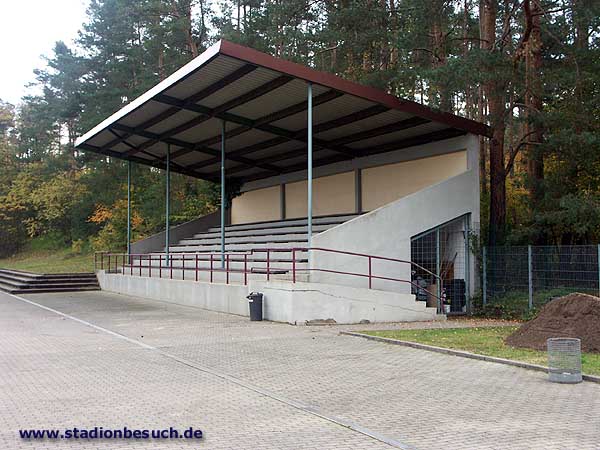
[384, 184]
[294, 303]
[227, 298]
[387, 231]
[297, 303]
[256, 206]
[385, 177]
[331, 195]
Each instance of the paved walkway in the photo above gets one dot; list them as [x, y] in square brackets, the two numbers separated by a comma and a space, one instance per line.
[117, 361]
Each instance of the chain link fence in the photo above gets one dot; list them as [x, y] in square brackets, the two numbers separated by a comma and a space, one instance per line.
[529, 276]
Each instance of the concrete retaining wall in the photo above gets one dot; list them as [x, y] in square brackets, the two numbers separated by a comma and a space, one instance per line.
[227, 298]
[156, 242]
[294, 303]
[297, 303]
[387, 230]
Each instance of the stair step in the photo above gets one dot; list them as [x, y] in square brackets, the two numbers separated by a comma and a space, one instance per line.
[328, 220]
[36, 280]
[262, 232]
[250, 240]
[16, 281]
[238, 247]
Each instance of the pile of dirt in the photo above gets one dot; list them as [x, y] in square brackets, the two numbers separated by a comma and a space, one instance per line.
[574, 315]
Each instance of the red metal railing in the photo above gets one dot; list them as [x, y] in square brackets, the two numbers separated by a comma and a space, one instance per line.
[144, 263]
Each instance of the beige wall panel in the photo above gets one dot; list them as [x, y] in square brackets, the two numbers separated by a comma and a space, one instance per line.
[256, 206]
[384, 184]
[331, 195]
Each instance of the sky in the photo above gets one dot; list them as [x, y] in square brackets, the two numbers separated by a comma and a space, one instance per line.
[28, 30]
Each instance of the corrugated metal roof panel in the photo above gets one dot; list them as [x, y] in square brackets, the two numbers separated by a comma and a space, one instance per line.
[277, 100]
[205, 130]
[370, 123]
[180, 117]
[250, 137]
[101, 139]
[210, 73]
[325, 112]
[145, 112]
[240, 87]
[398, 135]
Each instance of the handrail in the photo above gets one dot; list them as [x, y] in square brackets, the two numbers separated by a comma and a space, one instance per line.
[129, 259]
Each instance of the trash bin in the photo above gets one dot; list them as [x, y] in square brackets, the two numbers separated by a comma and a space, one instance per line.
[255, 302]
[564, 360]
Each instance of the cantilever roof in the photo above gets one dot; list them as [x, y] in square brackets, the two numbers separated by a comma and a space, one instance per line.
[263, 101]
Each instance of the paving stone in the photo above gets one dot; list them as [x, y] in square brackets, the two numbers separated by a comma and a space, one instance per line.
[60, 370]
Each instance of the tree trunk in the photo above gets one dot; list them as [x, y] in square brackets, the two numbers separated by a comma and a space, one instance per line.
[533, 104]
[494, 92]
[439, 54]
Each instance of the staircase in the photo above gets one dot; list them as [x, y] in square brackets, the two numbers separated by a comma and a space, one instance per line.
[245, 244]
[18, 282]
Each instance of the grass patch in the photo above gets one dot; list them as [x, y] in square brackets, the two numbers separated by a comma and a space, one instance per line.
[50, 261]
[487, 341]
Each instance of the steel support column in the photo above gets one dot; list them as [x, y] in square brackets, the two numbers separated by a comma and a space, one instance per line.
[282, 200]
[309, 127]
[129, 207]
[223, 200]
[438, 269]
[168, 204]
[358, 191]
[468, 263]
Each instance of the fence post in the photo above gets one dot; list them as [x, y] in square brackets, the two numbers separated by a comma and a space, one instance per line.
[370, 273]
[438, 265]
[268, 265]
[294, 265]
[227, 270]
[530, 275]
[196, 266]
[484, 277]
[599, 270]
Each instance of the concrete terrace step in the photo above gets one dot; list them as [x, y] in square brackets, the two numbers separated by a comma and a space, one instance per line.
[254, 239]
[36, 278]
[237, 247]
[302, 229]
[47, 290]
[328, 220]
[16, 281]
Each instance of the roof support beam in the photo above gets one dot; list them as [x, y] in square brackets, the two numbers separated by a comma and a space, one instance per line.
[345, 120]
[397, 126]
[385, 129]
[390, 146]
[269, 118]
[218, 85]
[277, 131]
[149, 162]
[184, 144]
[132, 146]
[251, 95]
